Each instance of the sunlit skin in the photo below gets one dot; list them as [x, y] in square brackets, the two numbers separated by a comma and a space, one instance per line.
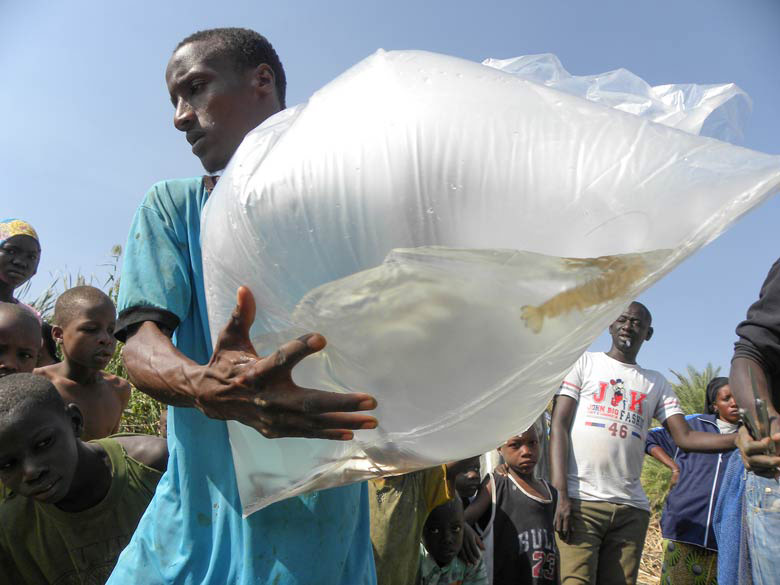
[629, 331]
[20, 342]
[19, 257]
[87, 342]
[443, 532]
[216, 105]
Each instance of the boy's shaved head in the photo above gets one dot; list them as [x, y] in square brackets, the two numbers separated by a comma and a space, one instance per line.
[245, 48]
[76, 299]
[20, 316]
[21, 394]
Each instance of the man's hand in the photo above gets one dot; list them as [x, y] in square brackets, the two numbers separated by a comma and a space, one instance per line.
[259, 392]
[755, 453]
[472, 548]
[562, 521]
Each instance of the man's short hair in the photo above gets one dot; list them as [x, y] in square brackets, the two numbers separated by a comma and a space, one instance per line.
[71, 301]
[246, 48]
[21, 394]
[646, 310]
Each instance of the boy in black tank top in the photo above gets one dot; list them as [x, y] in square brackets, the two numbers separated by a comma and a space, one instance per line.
[514, 514]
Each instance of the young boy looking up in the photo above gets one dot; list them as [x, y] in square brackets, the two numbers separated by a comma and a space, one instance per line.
[72, 506]
[20, 253]
[515, 514]
[84, 320]
[442, 539]
[20, 339]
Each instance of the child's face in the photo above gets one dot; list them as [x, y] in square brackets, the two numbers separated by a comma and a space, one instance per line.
[20, 342]
[443, 532]
[39, 454]
[521, 452]
[467, 481]
[88, 338]
[19, 256]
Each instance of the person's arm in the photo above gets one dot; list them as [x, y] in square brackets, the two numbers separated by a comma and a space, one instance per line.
[123, 392]
[151, 451]
[754, 453]
[239, 385]
[689, 440]
[758, 350]
[662, 456]
[560, 437]
[481, 504]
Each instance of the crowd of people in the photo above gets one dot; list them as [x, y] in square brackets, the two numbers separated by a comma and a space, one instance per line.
[83, 504]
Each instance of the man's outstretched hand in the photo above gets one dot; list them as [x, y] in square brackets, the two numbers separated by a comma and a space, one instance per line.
[237, 384]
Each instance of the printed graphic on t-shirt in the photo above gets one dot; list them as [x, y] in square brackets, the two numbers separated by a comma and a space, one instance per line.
[539, 545]
[617, 409]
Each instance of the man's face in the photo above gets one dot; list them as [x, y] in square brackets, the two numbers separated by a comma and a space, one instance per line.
[216, 104]
[631, 329]
[20, 342]
[19, 257]
[39, 455]
[88, 338]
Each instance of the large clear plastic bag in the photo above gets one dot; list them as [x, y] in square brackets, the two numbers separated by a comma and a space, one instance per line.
[460, 235]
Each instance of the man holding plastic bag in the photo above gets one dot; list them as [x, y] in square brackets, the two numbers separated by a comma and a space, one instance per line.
[223, 83]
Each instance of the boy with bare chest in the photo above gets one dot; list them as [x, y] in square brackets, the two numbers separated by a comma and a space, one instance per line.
[84, 320]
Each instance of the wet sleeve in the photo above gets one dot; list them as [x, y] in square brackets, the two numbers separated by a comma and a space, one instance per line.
[572, 383]
[759, 333]
[668, 403]
[155, 283]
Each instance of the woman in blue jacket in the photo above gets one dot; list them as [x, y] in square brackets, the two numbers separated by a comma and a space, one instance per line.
[690, 550]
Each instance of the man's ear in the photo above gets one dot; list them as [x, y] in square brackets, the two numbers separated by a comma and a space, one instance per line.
[76, 419]
[56, 333]
[264, 80]
[649, 333]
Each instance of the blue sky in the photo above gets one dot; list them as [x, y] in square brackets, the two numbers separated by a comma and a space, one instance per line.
[87, 121]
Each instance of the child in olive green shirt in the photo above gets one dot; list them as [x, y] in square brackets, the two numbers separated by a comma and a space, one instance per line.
[73, 506]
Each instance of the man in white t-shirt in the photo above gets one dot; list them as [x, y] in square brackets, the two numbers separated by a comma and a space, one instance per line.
[601, 417]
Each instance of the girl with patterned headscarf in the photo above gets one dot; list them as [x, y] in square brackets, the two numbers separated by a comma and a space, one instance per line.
[20, 252]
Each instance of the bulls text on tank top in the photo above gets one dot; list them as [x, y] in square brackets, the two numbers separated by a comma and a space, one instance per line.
[519, 536]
